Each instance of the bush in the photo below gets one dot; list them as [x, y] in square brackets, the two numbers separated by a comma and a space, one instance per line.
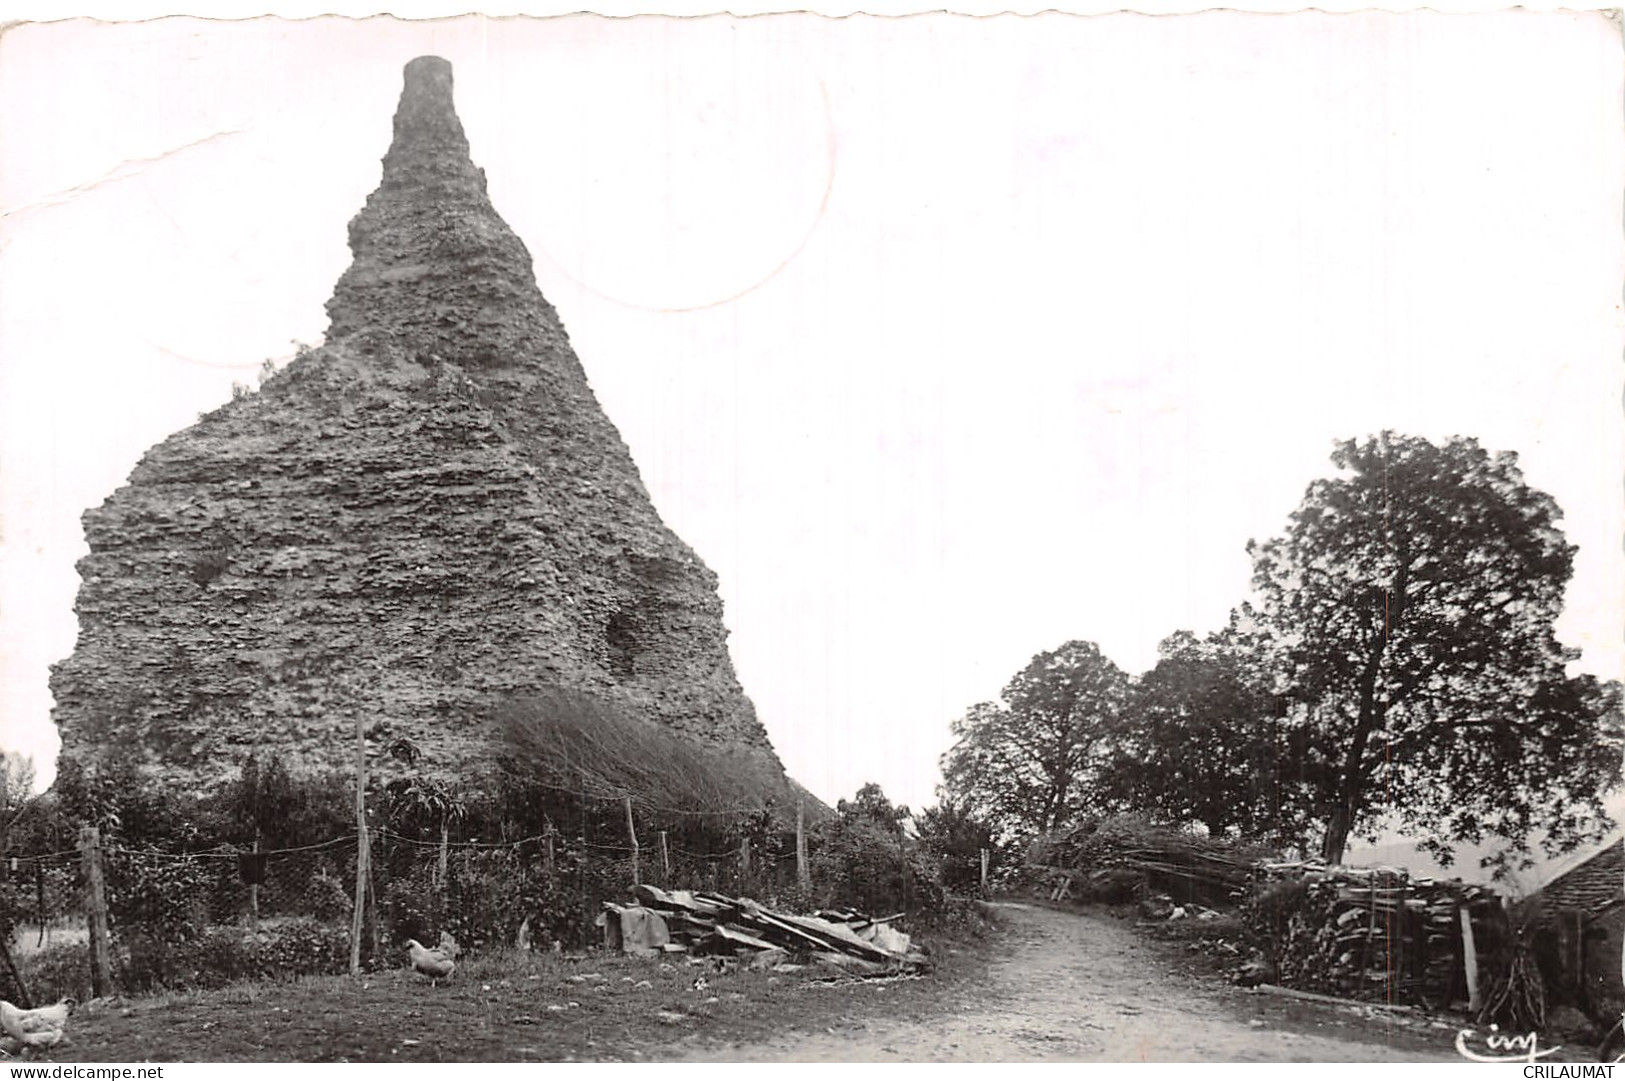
[222, 955]
[959, 918]
[325, 895]
[487, 895]
[167, 896]
[1269, 910]
[857, 863]
[57, 971]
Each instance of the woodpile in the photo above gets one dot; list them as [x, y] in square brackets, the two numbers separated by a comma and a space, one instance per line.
[1099, 858]
[1377, 933]
[715, 925]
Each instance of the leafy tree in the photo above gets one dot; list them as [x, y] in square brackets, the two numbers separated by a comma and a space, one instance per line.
[957, 837]
[870, 803]
[127, 805]
[861, 856]
[1034, 761]
[1203, 743]
[16, 791]
[1408, 608]
[268, 804]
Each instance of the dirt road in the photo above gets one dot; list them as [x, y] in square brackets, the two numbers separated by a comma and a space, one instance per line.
[1084, 986]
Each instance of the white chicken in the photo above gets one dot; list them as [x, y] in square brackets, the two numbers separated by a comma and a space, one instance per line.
[433, 963]
[38, 1028]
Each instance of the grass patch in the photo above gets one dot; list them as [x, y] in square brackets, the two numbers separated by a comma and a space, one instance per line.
[509, 1006]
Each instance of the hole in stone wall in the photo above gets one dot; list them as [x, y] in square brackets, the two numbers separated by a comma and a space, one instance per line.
[623, 636]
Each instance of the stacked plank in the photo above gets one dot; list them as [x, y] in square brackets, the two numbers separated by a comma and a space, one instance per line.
[1375, 933]
[713, 924]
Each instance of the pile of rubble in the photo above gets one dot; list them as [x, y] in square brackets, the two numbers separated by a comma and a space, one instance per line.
[712, 924]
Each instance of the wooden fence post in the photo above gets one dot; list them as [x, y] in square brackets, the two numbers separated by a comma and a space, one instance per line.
[441, 861]
[744, 859]
[39, 902]
[632, 836]
[1469, 960]
[361, 854]
[665, 858]
[101, 965]
[370, 924]
[984, 870]
[547, 849]
[581, 876]
[254, 888]
[803, 873]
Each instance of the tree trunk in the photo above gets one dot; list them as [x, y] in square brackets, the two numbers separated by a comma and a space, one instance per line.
[1352, 785]
[1338, 828]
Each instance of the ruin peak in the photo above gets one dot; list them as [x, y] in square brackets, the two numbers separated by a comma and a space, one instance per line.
[427, 114]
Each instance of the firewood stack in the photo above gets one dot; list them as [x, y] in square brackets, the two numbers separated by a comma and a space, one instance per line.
[1375, 933]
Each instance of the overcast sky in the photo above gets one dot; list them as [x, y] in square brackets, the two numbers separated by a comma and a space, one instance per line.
[942, 341]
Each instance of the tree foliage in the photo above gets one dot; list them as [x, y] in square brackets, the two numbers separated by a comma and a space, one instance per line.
[862, 856]
[266, 804]
[1035, 760]
[956, 837]
[870, 803]
[1203, 743]
[1408, 612]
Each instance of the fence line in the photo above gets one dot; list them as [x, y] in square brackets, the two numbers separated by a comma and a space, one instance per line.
[162, 916]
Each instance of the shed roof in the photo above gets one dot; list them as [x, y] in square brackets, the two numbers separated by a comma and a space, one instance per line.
[1596, 884]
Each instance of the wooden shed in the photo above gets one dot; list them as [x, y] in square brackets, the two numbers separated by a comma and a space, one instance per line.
[1581, 933]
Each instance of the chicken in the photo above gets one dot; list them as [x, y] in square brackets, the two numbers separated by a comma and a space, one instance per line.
[433, 963]
[36, 1028]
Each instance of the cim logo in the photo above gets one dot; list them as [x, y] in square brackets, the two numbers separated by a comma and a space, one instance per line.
[1498, 1046]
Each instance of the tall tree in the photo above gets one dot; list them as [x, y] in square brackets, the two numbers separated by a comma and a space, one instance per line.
[1408, 608]
[1204, 742]
[1032, 762]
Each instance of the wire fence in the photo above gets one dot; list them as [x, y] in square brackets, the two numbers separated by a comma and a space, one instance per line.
[205, 916]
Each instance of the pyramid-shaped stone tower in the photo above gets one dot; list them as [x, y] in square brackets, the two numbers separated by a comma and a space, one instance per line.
[424, 518]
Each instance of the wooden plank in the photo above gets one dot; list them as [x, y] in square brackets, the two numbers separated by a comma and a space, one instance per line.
[1469, 960]
[864, 925]
[632, 838]
[847, 942]
[1310, 996]
[764, 921]
[803, 875]
[740, 938]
